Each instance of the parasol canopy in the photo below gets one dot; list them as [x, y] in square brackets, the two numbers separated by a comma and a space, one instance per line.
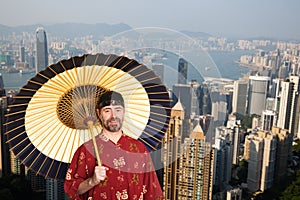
[47, 121]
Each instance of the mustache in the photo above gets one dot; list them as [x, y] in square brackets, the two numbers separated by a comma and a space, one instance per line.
[114, 119]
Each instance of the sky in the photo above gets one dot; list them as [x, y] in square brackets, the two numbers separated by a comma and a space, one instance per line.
[244, 18]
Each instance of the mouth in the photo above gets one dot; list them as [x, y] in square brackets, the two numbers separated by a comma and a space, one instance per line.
[112, 123]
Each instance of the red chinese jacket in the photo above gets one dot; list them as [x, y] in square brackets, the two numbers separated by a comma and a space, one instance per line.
[130, 176]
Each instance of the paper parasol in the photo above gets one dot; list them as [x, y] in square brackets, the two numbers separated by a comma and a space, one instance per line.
[46, 122]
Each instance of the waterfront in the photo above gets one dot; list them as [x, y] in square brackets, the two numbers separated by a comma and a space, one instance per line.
[14, 81]
[224, 62]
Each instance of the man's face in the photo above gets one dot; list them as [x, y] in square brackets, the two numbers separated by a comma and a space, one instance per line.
[111, 117]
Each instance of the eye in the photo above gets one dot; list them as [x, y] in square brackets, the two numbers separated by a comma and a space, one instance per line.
[119, 109]
[106, 111]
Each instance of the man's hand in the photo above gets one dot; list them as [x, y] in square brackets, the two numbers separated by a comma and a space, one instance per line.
[99, 175]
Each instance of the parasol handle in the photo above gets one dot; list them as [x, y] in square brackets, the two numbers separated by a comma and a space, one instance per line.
[90, 124]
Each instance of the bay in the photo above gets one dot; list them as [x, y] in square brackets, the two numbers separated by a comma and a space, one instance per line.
[223, 60]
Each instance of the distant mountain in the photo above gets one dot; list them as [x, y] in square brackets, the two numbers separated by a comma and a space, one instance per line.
[5, 30]
[201, 35]
[70, 30]
[99, 30]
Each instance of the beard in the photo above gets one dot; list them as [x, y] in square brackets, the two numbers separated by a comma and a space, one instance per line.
[112, 128]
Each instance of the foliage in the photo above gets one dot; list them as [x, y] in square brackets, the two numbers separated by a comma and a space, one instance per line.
[292, 192]
[296, 148]
[246, 120]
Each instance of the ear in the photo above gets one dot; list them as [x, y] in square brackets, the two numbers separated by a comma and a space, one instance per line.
[98, 112]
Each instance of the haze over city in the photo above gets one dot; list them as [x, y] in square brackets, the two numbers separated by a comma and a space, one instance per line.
[234, 18]
[232, 74]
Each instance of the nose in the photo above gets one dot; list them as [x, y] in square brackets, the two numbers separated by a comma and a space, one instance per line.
[113, 113]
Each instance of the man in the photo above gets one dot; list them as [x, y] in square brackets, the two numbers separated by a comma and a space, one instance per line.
[127, 170]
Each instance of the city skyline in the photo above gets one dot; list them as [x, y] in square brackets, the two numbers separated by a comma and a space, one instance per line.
[275, 19]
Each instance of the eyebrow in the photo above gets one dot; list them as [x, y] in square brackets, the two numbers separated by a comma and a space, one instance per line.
[114, 107]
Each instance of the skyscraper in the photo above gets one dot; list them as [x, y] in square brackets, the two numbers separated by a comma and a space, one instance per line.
[269, 159]
[255, 145]
[268, 119]
[234, 125]
[295, 126]
[234, 193]
[22, 54]
[171, 150]
[267, 153]
[2, 89]
[197, 178]
[275, 63]
[285, 105]
[258, 89]
[204, 99]
[41, 50]
[188, 98]
[283, 152]
[239, 100]
[219, 107]
[182, 71]
[55, 190]
[223, 157]
[288, 117]
[4, 152]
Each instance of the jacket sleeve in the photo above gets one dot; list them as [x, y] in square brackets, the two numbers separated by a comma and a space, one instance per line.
[151, 186]
[77, 172]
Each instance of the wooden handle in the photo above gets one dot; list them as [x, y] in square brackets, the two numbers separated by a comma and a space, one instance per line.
[90, 125]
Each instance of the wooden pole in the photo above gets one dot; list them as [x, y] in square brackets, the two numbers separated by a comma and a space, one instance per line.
[90, 124]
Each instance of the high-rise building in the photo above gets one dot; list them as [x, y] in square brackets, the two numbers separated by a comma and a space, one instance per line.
[295, 121]
[218, 107]
[22, 54]
[234, 194]
[267, 154]
[204, 99]
[234, 126]
[182, 71]
[38, 182]
[198, 164]
[55, 190]
[187, 96]
[284, 69]
[16, 167]
[255, 145]
[41, 50]
[4, 152]
[269, 159]
[171, 152]
[268, 119]
[283, 152]
[239, 100]
[284, 114]
[271, 104]
[2, 89]
[275, 88]
[288, 116]
[275, 63]
[257, 94]
[223, 157]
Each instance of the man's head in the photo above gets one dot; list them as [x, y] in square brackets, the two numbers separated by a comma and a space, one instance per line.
[110, 98]
[110, 110]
